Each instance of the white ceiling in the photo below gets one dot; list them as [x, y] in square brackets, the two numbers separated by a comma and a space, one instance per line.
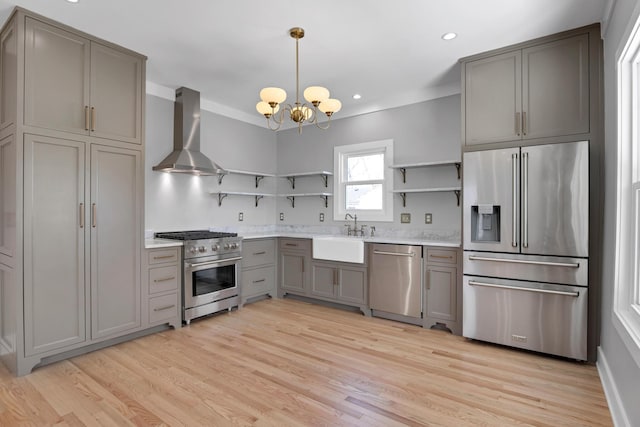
[388, 51]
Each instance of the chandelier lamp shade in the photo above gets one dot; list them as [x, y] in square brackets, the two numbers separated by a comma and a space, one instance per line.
[272, 98]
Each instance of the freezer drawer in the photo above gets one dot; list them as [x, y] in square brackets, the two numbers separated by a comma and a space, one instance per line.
[547, 318]
[548, 269]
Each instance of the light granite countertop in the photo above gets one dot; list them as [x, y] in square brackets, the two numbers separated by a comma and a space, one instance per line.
[381, 239]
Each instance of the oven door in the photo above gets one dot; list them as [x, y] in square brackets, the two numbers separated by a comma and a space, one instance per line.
[209, 281]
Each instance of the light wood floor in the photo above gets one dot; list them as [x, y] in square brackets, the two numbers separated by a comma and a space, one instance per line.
[288, 363]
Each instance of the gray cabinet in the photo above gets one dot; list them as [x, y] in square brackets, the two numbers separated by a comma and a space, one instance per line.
[74, 84]
[443, 298]
[258, 269]
[116, 230]
[295, 256]
[534, 92]
[340, 282]
[8, 194]
[161, 286]
[8, 75]
[55, 244]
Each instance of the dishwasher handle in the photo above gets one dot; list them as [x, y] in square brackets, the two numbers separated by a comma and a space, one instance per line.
[410, 254]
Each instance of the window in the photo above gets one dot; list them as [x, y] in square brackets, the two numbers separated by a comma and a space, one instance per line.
[626, 317]
[363, 181]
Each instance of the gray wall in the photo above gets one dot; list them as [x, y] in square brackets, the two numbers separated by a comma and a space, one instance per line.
[423, 132]
[179, 202]
[625, 372]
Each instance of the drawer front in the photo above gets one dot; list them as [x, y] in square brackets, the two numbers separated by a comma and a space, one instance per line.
[295, 244]
[162, 279]
[163, 308]
[443, 256]
[162, 256]
[259, 281]
[258, 252]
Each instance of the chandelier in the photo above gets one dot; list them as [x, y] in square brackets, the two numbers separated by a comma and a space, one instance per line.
[317, 96]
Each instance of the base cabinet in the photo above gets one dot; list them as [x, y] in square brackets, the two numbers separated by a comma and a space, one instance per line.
[294, 266]
[442, 293]
[258, 269]
[161, 286]
[340, 282]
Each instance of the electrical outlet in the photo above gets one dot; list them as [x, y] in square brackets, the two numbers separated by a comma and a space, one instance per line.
[281, 216]
[240, 216]
[428, 218]
[321, 217]
[405, 218]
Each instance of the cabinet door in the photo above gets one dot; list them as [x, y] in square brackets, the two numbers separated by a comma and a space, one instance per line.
[353, 287]
[54, 244]
[116, 236]
[8, 75]
[555, 89]
[324, 279]
[292, 273]
[493, 99]
[8, 195]
[56, 93]
[9, 300]
[441, 292]
[116, 94]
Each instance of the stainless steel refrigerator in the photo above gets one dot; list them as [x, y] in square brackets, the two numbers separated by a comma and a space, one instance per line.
[526, 240]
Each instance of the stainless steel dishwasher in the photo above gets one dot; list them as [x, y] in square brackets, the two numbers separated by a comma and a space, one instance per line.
[395, 279]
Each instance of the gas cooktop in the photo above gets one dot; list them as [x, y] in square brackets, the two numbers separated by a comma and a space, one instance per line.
[194, 235]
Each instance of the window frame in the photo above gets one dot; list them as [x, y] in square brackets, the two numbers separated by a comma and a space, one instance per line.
[626, 305]
[340, 155]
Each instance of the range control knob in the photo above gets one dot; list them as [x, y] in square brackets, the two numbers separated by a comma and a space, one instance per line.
[193, 249]
[215, 248]
[234, 246]
[226, 246]
[202, 249]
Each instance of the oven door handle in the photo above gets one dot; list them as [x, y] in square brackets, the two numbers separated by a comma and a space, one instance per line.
[213, 263]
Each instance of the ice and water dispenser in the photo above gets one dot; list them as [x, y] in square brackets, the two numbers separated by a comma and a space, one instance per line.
[485, 223]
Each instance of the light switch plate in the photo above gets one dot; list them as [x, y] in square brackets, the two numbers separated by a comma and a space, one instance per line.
[281, 216]
[241, 216]
[405, 218]
[428, 218]
[321, 217]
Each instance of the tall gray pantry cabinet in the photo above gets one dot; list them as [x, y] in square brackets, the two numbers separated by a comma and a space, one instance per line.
[72, 191]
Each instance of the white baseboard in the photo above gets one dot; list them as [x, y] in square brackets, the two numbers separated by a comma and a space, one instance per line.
[618, 413]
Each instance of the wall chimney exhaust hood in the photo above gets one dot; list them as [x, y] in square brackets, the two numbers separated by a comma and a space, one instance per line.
[186, 156]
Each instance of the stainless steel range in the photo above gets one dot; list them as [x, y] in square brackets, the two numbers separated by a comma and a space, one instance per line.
[211, 273]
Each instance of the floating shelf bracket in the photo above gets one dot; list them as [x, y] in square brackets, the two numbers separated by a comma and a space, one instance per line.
[326, 201]
[325, 179]
[403, 172]
[258, 199]
[221, 197]
[260, 178]
[292, 180]
[292, 199]
[457, 193]
[404, 199]
[458, 164]
[220, 176]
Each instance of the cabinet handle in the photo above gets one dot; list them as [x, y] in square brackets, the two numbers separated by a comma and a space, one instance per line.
[166, 279]
[81, 215]
[163, 257]
[86, 117]
[441, 256]
[335, 277]
[295, 245]
[524, 122]
[260, 253]
[93, 119]
[94, 215]
[259, 281]
[166, 307]
[302, 260]
[518, 124]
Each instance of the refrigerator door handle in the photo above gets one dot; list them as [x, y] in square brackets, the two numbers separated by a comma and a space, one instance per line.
[522, 261]
[517, 288]
[525, 202]
[514, 200]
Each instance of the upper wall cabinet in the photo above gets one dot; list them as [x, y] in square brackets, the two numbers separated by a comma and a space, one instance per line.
[534, 92]
[73, 84]
[8, 75]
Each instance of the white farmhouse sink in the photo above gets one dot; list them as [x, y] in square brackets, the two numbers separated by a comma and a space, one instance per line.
[339, 248]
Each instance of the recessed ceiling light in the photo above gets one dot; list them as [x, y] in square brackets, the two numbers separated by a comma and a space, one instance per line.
[449, 36]
[357, 96]
[72, 1]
